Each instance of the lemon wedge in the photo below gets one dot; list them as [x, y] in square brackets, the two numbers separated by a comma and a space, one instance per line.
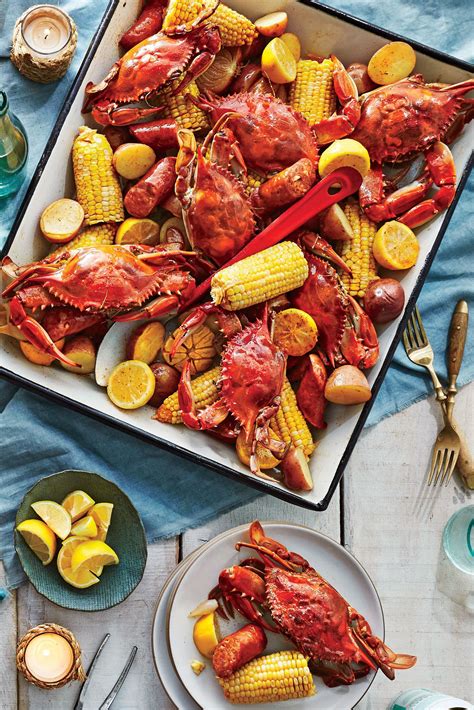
[344, 153]
[85, 527]
[55, 517]
[278, 62]
[206, 634]
[91, 555]
[395, 246]
[102, 514]
[77, 504]
[138, 231]
[82, 579]
[39, 538]
[131, 384]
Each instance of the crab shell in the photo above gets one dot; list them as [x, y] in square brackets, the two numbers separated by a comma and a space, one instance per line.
[312, 614]
[253, 370]
[322, 297]
[153, 63]
[100, 278]
[404, 118]
[271, 135]
[217, 214]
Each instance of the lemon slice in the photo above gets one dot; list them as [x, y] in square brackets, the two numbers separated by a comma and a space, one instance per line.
[77, 504]
[55, 517]
[138, 231]
[278, 62]
[82, 579]
[131, 384]
[206, 634]
[395, 246]
[295, 331]
[344, 153]
[86, 527]
[91, 555]
[39, 538]
[102, 514]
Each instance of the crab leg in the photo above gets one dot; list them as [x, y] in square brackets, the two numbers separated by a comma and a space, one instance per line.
[207, 418]
[340, 125]
[375, 651]
[35, 333]
[160, 306]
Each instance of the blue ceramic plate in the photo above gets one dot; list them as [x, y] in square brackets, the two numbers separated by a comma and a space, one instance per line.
[126, 536]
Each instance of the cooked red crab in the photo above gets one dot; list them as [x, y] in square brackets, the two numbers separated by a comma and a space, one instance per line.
[306, 609]
[97, 281]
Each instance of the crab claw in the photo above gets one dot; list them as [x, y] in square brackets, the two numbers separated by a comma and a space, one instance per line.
[108, 114]
[320, 247]
[35, 333]
[159, 307]
[206, 418]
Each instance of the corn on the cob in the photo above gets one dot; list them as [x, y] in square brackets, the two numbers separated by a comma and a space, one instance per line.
[96, 235]
[357, 252]
[289, 423]
[97, 184]
[257, 278]
[184, 112]
[235, 29]
[185, 13]
[312, 92]
[272, 678]
[253, 180]
[205, 392]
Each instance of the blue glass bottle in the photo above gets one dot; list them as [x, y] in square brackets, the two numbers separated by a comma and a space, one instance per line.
[13, 150]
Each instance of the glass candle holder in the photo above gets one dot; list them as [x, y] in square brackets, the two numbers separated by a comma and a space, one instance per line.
[49, 656]
[44, 42]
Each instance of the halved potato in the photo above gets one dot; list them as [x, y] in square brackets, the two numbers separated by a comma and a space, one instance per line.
[391, 63]
[295, 469]
[333, 224]
[272, 25]
[146, 342]
[347, 385]
[293, 43]
[81, 350]
[38, 357]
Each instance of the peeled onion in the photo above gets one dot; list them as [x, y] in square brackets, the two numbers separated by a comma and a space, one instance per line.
[221, 72]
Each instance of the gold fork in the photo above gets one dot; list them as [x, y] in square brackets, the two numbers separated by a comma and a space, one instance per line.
[448, 444]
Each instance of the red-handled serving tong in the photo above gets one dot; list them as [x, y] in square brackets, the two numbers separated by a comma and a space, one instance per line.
[333, 188]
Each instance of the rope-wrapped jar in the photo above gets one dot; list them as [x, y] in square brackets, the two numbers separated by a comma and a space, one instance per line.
[74, 672]
[43, 52]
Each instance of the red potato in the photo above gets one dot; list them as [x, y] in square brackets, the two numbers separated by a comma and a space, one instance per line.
[384, 300]
[148, 23]
[272, 25]
[146, 342]
[333, 224]
[166, 382]
[237, 649]
[133, 160]
[360, 76]
[347, 385]
[310, 394]
[82, 351]
[295, 470]
[153, 188]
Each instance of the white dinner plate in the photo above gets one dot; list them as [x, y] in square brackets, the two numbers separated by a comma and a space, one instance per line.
[329, 558]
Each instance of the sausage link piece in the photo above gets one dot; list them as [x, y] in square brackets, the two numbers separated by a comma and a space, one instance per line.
[152, 189]
[239, 648]
[285, 187]
[159, 135]
[148, 23]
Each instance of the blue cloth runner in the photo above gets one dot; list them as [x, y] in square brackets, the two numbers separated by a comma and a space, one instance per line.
[39, 437]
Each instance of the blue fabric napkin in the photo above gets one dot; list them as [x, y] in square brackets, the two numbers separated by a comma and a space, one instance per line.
[39, 437]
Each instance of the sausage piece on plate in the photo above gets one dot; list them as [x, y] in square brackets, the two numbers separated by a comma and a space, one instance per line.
[237, 649]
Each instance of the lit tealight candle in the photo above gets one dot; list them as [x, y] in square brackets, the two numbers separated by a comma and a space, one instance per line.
[46, 29]
[49, 657]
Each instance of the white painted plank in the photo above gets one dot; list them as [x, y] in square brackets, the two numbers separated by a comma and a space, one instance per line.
[8, 690]
[266, 508]
[394, 525]
[129, 624]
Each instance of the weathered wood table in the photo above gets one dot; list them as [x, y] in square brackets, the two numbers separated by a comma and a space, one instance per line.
[383, 513]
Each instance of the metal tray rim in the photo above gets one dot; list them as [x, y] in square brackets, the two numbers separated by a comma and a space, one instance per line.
[259, 484]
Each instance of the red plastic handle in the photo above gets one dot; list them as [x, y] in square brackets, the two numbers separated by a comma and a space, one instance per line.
[333, 188]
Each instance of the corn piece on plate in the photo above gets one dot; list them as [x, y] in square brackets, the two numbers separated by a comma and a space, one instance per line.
[329, 558]
[322, 31]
